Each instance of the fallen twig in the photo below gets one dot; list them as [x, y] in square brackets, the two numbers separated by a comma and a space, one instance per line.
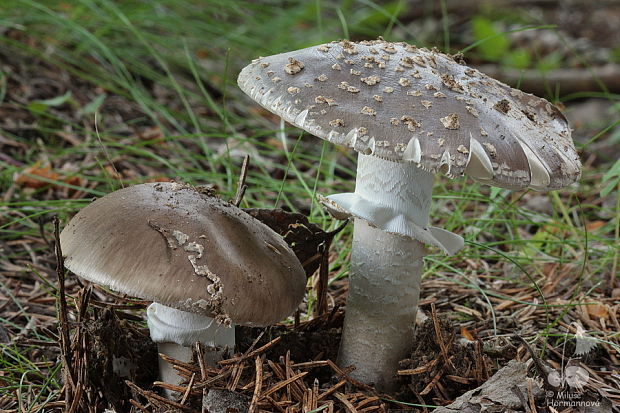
[258, 383]
[65, 344]
[241, 186]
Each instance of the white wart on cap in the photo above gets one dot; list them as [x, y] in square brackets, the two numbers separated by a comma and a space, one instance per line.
[404, 103]
[174, 245]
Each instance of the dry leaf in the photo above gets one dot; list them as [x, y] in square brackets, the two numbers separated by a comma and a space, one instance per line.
[30, 177]
[594, 225]
[37, 177]
[159, 179]
[598, 310]
[467, 334]
[303, 237]
[202, 53]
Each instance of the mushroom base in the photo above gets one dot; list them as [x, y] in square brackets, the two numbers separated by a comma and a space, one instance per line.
[176, 331]
[384, 287]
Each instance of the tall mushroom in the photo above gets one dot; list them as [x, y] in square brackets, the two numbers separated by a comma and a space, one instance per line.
[204, 263]
[410, 112]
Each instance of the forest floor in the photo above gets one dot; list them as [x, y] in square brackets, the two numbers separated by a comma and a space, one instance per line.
[95, 96]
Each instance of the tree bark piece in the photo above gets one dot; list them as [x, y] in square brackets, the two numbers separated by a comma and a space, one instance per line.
[494, 395]
[571, 80]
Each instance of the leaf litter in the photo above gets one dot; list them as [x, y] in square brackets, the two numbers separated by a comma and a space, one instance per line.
[460, 341]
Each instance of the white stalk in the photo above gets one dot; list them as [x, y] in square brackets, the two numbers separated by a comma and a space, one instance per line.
[176, 331]
[384, 281]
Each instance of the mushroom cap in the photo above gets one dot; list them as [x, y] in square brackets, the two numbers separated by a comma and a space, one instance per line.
[171, 243]
[404, 103]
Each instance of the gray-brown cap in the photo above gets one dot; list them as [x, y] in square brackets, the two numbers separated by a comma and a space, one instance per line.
[170, 243]
[404, 103]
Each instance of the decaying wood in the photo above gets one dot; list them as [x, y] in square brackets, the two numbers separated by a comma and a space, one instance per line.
[495, 393]
[566, 80]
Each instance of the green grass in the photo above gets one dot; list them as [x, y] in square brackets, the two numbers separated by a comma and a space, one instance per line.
[193, 50]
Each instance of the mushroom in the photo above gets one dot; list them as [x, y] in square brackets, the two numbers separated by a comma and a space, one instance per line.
[410, 113]
[204, 263]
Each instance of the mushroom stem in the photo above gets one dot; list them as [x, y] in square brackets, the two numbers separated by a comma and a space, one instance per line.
[384, 286]
[176, 331]
[384, 280]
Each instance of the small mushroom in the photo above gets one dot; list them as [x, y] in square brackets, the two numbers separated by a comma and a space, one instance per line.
[204, 263]
[457, 122]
